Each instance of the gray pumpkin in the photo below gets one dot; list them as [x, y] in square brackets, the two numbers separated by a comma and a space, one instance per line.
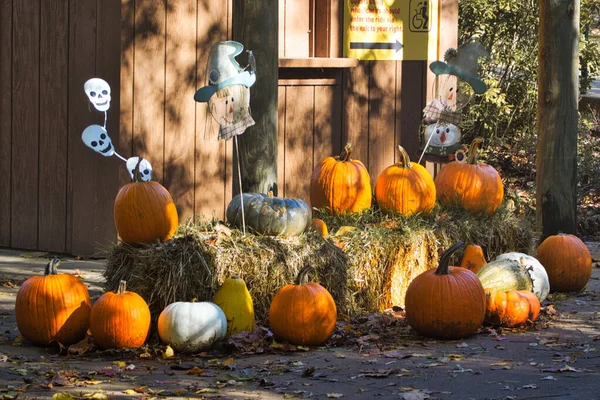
[271, 216]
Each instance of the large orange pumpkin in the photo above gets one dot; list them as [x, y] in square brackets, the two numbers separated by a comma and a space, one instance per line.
[447, 302]
[53, 307]
[120, 319]
[144, 212]
[405, 188]
[511, 308]
[567, 261]
[341, 185]
[303, 314]
[473, 186]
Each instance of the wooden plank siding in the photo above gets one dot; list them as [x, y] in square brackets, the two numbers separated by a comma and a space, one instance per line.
[58, 194]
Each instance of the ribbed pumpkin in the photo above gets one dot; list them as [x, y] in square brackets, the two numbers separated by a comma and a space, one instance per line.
[234, 299]
[53, 307]
[505, 275]
[190, 327]
[535, 270]
[510, 308]
[303, 313]
[405, 188]
[567, 260]
[144, 212]
[473, 258]
[341, 184]
[447, 302]
[120, 319]
[473, 186]
[268, 215]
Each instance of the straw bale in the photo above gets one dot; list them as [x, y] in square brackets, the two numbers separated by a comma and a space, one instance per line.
[366, 264]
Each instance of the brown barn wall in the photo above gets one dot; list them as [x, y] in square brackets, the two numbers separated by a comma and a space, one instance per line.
[57, 195]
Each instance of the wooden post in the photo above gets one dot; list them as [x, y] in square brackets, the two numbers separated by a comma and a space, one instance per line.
[556, 196]
[255, 25]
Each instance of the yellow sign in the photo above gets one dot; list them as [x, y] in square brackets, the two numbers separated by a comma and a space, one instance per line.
[391, 29]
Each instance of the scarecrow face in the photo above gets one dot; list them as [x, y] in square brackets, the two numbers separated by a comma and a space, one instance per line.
[447, 90]
[442, 135]
[96, 138]
[230, 105]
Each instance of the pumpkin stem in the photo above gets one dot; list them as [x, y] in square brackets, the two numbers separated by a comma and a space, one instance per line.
[137, 178]
[445, 259]
[472, 158]
[52, 267]
[345, 156]
[122, 287]
[405, 161]
[301, 278]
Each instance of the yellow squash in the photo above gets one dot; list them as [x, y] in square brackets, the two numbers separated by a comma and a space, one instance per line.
[235, 301]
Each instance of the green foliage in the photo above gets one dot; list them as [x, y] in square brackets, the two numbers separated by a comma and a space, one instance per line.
[506, 113]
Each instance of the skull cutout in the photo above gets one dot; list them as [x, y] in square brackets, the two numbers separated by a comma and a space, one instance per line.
[98, 91]
[145, 168]
[96, 138]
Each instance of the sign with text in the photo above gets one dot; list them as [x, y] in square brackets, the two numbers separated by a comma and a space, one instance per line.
[391, 29]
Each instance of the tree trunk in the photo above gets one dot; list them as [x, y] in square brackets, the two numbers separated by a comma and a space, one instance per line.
[556, 196]
[255, 25]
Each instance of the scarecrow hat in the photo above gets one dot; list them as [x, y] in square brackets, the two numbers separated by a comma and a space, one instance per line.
[463, 64]
[223, 70]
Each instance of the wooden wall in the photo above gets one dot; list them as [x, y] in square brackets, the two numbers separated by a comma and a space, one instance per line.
[55, 195]
[58, 195]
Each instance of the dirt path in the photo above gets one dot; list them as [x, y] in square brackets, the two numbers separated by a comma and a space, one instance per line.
[558, 358]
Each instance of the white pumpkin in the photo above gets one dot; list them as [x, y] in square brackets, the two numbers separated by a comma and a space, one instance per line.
[191, 327]
[537, 272]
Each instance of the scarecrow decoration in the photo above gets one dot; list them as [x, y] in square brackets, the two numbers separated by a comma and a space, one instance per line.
[96, 137]
[228, 94]
[455, 84]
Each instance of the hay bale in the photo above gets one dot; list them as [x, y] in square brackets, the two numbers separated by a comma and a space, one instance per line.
[367, 268]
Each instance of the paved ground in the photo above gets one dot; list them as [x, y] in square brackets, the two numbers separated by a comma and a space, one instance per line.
[379, 356]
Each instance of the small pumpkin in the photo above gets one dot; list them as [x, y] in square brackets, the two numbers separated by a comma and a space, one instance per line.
[505, 275]
[144, 212]
[473, 258]
[536, 271]
[511, 308]
[319, 226]
[234, 299]
[120, 319]
[445, 302]
[567, 260]
[268, 215]
[473, 186]
[53, 307]
[341, 185]
[190, 327]
[405, 188]
[303, 313]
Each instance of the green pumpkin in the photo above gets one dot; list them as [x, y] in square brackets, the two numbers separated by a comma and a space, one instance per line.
[270, 216]
[505, 275]
[536, 271]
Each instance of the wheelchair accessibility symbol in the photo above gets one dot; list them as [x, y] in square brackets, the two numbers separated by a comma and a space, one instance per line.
[419, 10]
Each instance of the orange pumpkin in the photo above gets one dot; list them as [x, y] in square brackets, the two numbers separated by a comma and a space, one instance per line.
[303, 314]
[341, 185]
[511, 308]
[473, 258]
[320, 227]
[447, 302]
[405, 188]
[120, 319]
[144, 212]
[53, 307]
[567, 261]
[474, 186]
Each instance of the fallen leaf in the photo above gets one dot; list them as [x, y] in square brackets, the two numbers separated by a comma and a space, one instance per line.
[168, 353]
[334, 395]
